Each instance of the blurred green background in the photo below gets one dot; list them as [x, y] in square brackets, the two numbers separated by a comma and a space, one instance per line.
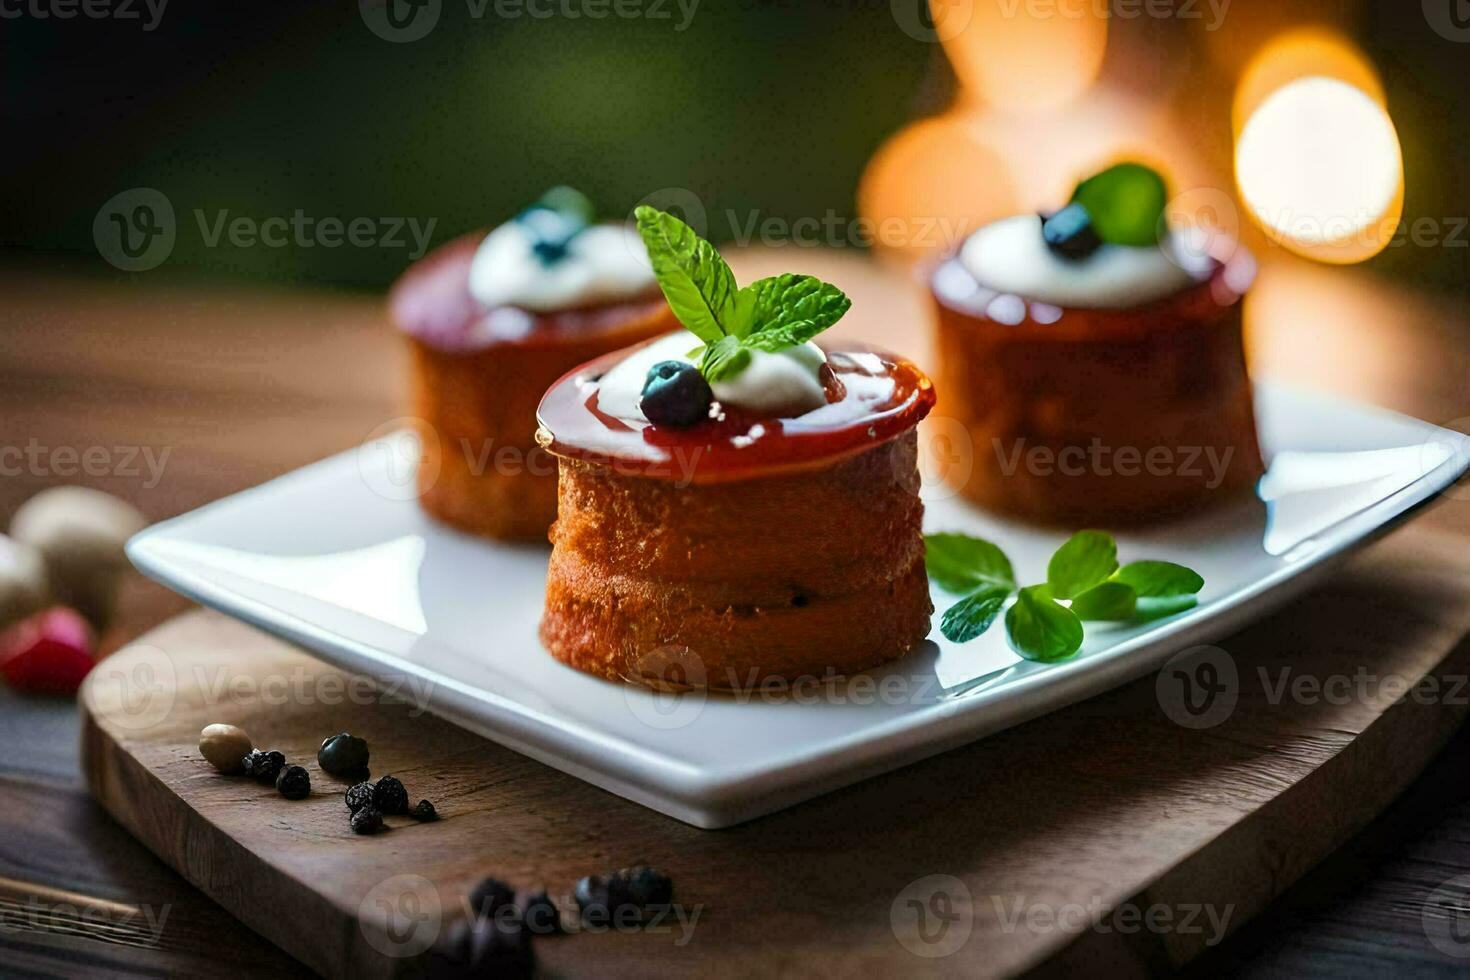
[263, 110]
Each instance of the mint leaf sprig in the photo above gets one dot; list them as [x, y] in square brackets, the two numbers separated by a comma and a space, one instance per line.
[770, 314]
[1084, 573]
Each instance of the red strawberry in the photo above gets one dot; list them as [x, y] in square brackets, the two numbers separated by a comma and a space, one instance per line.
[49, 653]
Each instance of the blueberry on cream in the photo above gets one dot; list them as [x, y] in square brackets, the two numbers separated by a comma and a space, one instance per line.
[1093, 332]
[751, 345]
[551, 257]
[735, 506]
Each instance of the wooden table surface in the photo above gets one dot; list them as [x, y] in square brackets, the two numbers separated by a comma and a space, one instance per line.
[196, 390]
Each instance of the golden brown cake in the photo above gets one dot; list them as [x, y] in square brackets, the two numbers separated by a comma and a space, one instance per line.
[1106, 385]
[477, 374]
[746, 548]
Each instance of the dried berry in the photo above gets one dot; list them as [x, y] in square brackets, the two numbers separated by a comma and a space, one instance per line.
[294, 783]
[624, 895]
[424, 811]
[482, 947]
[592, 898]
[390, 796]
[224, 747]
[490, 896]
[263, 767]
[641, 885]
[367, 820]
[342, 754]
[539, 914]
[359, 796]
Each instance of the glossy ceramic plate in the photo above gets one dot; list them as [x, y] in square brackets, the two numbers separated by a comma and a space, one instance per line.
[338, 558]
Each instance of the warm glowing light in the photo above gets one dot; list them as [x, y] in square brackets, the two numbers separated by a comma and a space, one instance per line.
[930, 186]
[1310, 51]
[1023, 55]
[1318, 164]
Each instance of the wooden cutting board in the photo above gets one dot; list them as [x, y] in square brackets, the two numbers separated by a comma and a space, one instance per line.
[1105, 836]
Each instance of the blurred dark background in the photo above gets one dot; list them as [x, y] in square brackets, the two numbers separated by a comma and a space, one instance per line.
[774, 105]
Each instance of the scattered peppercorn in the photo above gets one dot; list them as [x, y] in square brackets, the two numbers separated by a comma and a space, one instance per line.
[539, 914]
[592, 898]
[625, 894]
[263, 767]
[342, 754]
[367, 820]
[641, 885]
[424, 811]
[359, 796]
[481, 947]
[490, 896]
[294, 783]
[390, 796]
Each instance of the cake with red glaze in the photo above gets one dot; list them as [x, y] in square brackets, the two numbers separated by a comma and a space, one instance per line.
[735, 501]
[1095, 358]
[492, 319]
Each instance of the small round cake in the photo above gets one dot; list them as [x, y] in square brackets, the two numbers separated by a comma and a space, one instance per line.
[753, 523]
[492, 319]
[1096, 360]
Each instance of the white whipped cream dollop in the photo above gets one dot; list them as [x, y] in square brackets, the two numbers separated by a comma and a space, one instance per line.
[605, 263]
[787, 383]
[1010, 256]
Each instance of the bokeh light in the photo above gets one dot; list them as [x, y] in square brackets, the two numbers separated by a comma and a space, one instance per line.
[1319, 166]
[1014, 56]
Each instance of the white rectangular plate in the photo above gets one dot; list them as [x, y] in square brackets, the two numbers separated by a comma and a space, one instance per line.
[337, 557]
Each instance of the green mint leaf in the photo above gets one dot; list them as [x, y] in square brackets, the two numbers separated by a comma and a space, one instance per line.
[1040, 628]
[787, 310]
[694, 278]
[1085, 560]
[1110, 601]
[1126, 203]
[571, 203]
[959, 563]
[1159, 578]
[973, 614]
[1159, 607]
[723, 359]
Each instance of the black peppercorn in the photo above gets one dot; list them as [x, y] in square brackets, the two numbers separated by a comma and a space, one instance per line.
[481, 947]
[367, 820]
[490, 896]
[359, 796]
[390, 796]
[294, 783]
[625, 895]
[424, 811]
[342, 754]
[263, 767]
[539, 914]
